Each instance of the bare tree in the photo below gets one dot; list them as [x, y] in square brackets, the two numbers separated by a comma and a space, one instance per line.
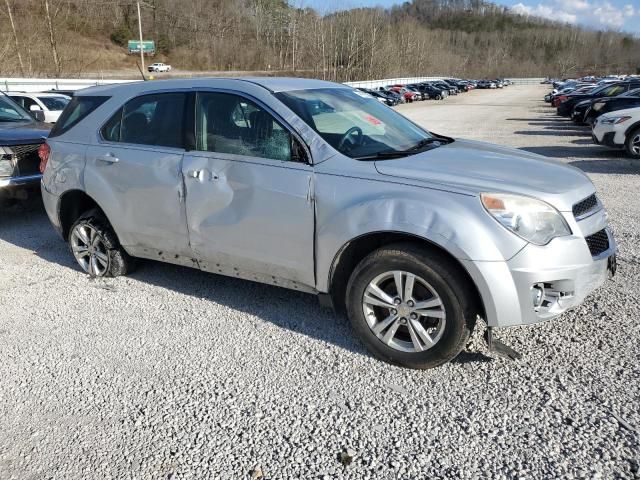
[52, 40]
[15, 37]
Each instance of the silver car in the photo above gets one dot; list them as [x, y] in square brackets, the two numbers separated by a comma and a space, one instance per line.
[317, 187]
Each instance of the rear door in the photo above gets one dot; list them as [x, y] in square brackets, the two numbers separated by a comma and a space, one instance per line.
[134, 173]
[249, 205]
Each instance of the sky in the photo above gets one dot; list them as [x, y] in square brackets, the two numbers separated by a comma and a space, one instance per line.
[621, 15]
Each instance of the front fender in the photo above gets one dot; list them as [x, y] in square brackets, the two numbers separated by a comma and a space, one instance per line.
[348, 208]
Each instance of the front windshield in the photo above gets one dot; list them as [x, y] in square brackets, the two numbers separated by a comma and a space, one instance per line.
[54, 103]
[353, 122]
[10, 112]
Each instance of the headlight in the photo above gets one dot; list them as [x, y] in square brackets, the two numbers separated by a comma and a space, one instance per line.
[7, 162]
[614, 120]
[533, 220]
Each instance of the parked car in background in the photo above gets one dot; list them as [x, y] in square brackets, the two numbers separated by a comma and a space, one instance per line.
[600, 106]
[486, 84]
[159, 67]
[565, 107]
[433, 92]
[68, 93]
[350, 201]
[51, 104]
[20, 138]
[408, 95]
[444, 86]
[619, 129]
[380, 96]
[421, 95]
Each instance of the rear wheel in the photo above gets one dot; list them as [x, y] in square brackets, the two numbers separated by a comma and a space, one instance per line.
[410, 307]
[95, 247]
[632, 145]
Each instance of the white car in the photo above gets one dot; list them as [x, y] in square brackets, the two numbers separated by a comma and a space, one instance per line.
[51, 104]
[159, 67]
[619, 129]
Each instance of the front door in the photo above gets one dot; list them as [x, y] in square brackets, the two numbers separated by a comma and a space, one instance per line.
[135, 175]
[249, 206]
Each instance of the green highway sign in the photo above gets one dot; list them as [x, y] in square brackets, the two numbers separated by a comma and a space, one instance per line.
[148, 46]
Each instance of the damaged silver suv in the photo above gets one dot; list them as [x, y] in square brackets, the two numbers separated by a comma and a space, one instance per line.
[318, 187]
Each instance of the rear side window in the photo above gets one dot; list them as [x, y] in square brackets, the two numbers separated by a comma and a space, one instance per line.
[76, 110]
[155, 119]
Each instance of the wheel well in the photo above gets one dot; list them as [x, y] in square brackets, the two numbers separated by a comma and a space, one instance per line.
[631, 129]
[356, 250]
[73, 204]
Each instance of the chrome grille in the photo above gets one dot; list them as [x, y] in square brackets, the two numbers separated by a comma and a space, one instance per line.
[585, 206]
[24, 158]
[598, 242]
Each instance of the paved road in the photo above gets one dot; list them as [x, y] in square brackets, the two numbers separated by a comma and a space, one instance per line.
[174, 373]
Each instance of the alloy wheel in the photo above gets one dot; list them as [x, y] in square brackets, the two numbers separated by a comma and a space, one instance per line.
[635, 144]
[404, 311]
[89, 250]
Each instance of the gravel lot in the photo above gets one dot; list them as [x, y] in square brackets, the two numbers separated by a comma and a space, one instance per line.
[174, 373]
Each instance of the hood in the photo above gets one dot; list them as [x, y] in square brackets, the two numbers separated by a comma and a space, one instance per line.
[19, 133]
[476, 167]
[632, 112]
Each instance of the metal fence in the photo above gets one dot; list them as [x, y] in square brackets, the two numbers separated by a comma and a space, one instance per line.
[42, 84]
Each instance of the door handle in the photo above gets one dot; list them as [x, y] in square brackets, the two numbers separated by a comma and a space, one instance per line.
[200, 174]
[108, 158]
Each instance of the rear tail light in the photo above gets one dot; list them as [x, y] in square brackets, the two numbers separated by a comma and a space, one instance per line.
[43, 152]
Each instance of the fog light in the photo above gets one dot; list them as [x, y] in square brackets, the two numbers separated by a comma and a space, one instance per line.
[537, 295]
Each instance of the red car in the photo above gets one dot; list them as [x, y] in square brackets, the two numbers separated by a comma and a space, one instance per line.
[408, 95]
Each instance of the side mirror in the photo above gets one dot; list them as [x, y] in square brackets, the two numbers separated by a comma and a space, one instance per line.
[35, 108]
[38, 115]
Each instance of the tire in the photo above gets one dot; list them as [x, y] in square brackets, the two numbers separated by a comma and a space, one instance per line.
[438, 97]
[632, 145]
[104, 256]
[435, 279]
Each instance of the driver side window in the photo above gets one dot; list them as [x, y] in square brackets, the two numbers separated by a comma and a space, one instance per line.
[228, 123]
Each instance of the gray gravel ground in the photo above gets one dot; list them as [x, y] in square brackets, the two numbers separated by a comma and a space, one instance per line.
[174, 373]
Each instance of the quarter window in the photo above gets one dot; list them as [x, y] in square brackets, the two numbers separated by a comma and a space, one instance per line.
[227, 123]
[155, 119]
[77, 109]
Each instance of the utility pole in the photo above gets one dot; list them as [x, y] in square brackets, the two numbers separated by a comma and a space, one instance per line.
[140, 32]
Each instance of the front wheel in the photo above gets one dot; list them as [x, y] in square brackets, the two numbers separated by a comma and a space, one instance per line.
[95, 247]
[632, 145]
[410, 307]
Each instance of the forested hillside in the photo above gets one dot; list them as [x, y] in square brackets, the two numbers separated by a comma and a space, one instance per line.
[424, 37]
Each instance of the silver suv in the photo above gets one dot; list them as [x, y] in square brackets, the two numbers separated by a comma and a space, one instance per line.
[317, 187]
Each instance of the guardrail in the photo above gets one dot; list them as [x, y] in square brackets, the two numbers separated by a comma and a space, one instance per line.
[40, 84]
[392, 81]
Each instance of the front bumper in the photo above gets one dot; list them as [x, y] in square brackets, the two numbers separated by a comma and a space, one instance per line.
[564, 271]
[607, 134]
[23, 181]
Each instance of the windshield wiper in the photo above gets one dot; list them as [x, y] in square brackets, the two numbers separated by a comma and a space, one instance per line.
[403, 153]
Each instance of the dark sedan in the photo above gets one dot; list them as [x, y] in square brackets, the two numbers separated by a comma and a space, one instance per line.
[597, 107]
[609, 90]
[20, 137]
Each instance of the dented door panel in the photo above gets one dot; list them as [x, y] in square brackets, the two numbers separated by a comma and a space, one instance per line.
[251, 217]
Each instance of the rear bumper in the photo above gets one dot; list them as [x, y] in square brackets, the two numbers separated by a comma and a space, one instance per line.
[541, 282]
[51, 202]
